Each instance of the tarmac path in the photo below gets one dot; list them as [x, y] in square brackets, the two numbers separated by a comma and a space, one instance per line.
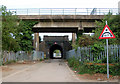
[54, 70]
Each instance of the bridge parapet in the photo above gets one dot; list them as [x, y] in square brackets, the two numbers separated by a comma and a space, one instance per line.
[64, 11]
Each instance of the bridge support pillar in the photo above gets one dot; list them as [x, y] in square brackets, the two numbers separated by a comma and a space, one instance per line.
[36, 41]
[73, 38]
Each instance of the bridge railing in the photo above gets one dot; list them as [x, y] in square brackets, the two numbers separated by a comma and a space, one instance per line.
[65, 11]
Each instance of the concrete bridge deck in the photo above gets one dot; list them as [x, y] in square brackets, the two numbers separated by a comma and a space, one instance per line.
[61, 17]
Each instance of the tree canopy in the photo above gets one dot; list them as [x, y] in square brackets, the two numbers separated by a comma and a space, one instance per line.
[113, 21]
[16, 34]
[9, 30]
[26, 37]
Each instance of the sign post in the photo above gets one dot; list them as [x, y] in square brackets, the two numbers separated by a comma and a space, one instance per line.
[106, 34]
[107, 58]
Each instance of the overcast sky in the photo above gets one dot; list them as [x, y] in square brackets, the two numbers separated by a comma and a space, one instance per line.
[60, 3]
[10, 4]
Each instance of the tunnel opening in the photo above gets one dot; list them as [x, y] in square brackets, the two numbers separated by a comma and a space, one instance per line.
[56, 52]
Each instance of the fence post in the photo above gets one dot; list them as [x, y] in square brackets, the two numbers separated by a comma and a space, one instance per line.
[39, 11]
[27, 11]
[87, 11]
[75, 10]
[99, 11]
[51, 11]
[119, 53]
[90, 55]
[63, 11]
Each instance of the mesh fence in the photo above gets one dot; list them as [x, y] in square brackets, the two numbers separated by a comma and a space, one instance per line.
[21, 55]
[85, 53]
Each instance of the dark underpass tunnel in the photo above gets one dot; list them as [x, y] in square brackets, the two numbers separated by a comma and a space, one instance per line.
[56, 52]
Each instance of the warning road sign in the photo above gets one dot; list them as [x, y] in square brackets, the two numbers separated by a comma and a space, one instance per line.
[106, 33]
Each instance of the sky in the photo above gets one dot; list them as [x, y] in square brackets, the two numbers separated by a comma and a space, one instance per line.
[13, 4]
[60, 3]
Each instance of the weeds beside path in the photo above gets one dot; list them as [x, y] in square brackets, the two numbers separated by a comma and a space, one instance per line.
[93, 71]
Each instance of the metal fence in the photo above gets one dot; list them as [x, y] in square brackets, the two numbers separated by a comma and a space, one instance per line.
[85, 53]
[21, 55]
[65, 11]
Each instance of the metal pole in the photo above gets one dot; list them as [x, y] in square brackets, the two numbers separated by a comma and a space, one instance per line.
[27, 11]
[107, 58]
[51, 11]
[87, 11]
[39, 11]
[75, 10]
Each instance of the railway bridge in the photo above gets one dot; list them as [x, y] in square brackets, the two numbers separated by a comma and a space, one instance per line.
[62, 20]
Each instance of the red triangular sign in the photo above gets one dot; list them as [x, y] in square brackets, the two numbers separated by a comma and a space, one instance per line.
[106, 33]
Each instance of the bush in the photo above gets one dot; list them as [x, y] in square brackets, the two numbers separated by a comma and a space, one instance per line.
[82, 67]
[111, 60]
[85, 40]
[78, 66]
[96, 49]
[41, 59]
[71, 61]
[113, 69]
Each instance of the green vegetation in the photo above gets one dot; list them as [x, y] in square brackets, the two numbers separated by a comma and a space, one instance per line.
[26, 37]
[16, 34]
[41, 59]
[9, 30]
[57, 53]
[96, 49]
[85, 40]
[96, 44]
[94, 41]
[92, 68]
[113, 23]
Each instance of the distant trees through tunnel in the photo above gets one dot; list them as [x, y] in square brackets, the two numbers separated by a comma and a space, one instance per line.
[56, 52]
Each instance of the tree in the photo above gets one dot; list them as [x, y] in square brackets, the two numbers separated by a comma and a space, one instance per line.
[115, 27]
[16, 34]
[9, 30]
[26, 37]
[113, 23]
[85, 40]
